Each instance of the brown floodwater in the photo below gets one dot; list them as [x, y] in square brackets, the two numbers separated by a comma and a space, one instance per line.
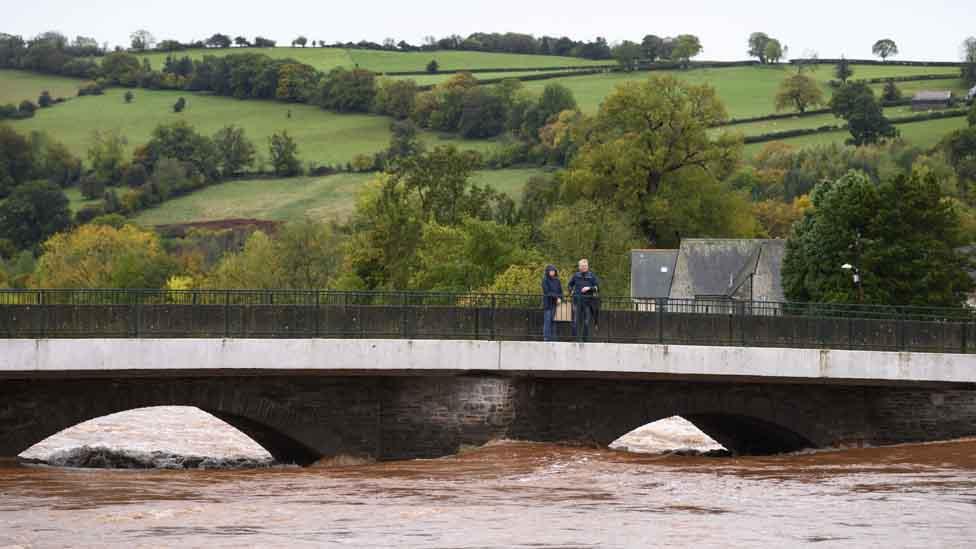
[512, 495]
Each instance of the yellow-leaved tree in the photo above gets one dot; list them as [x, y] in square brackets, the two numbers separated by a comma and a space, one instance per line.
[102, 256]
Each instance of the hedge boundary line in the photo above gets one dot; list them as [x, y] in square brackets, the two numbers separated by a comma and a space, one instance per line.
[800, 132]
[506, 69]
[815, 112]
[876, 62]
[915, 78]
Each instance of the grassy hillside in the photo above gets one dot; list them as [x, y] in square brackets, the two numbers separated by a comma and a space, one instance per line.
[322, 136]
[15, 86]
[330, 197]
[922, 134]
[746, 91]
[385, 61]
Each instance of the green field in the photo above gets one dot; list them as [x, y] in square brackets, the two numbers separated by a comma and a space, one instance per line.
[922, 134]
[798, 122]
[323, 137]
[322, 59]
[389, 61]
[325, 59]
[330, 197]
[15, 86]
[746, 91]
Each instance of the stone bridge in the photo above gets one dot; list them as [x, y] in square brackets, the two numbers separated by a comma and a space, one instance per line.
[305, 399]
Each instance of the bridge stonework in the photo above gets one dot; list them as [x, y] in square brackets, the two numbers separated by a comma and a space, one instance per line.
[305, 417]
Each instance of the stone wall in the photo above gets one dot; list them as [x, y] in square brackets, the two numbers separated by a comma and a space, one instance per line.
[304, 418]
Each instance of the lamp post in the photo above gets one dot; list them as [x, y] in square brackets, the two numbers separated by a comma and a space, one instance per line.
[856, 274]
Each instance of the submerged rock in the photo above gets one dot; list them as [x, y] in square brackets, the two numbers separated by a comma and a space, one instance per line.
[100, 457]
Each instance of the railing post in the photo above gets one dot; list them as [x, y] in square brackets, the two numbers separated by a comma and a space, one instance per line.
[226, 314]
[661, 304]
[317, 309]
[491, 318]
[403, 316]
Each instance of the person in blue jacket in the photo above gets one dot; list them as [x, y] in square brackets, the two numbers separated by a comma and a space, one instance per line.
[552, 296]
[584, 285]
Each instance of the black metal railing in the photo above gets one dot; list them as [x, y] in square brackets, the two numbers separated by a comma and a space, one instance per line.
[430, 315]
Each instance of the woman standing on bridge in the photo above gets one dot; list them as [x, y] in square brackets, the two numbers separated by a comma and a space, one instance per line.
[552, 293]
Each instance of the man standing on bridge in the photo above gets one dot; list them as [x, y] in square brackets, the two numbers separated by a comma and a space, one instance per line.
[584, 285]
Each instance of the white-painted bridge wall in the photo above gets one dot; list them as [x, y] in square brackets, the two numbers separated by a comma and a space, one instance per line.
[80, 357]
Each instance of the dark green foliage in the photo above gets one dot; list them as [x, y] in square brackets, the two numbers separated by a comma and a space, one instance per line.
[855, 103]
[960, 150]
[901, 235]
[121, 68]
[395, 98]
[179, 141]
[235, 152]
[284, 155]
[91, 88]
[135, 176]
[404, 143]
[32, 213]
[433, 66]
[91, 186]
[219, 41]
[891, 91]
[16, 159]
[482, 114]
[345, 90]
[44, 100]
[843, 70]
[179, 105]
[88, 213]
[26, 108]
[129, 96]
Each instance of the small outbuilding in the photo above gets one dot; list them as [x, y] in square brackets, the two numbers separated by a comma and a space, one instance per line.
[931, 100]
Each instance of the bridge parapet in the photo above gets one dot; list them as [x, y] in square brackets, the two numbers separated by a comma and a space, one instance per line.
[403, 315]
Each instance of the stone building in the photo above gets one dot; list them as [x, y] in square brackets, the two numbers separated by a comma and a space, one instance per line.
[931, 100]
[709, 274]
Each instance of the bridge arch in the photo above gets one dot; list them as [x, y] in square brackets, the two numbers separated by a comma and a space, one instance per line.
[744, 419]
[37, 410]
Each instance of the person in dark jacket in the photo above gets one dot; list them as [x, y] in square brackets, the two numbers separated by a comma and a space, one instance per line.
[552, 294]
[584, 285]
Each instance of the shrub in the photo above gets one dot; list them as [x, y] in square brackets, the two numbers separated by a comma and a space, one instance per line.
[129, 96]
[27, 108]
[179, 105]
[433, 66]
[91, 186]
[9, 112]
[45, 100]
[91, 88]
[891, 91]
[88, 213]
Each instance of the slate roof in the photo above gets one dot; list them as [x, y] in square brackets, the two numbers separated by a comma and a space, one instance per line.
[747, 269]
[651, 272]
[933, 96]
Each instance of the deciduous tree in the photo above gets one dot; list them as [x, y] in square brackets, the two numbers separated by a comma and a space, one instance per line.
[686, 46]
[32, 213]
[284, 155]
[235, 152]
[102, 256]
[855, 103]
[885, 48]
[799, 92]
[649, 135]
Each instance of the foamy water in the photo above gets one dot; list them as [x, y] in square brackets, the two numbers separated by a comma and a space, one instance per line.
[191, 431]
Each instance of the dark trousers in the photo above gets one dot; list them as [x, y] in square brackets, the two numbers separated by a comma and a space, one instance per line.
[582, 318]
[548, 325]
